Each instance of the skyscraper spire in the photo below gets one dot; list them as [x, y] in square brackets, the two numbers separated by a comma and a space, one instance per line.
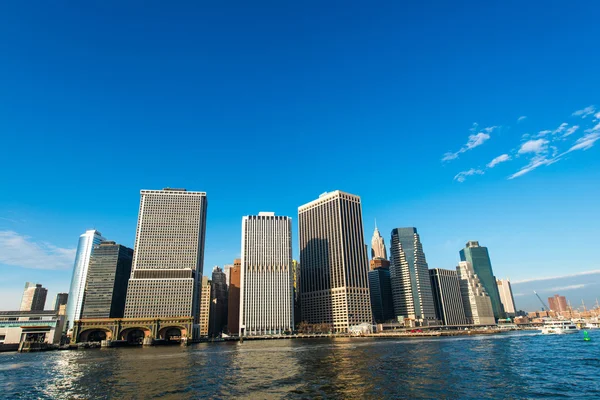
[378, 245]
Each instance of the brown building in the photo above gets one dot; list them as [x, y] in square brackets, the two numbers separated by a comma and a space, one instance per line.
[558, 303]
[233, 320]
[379, 263]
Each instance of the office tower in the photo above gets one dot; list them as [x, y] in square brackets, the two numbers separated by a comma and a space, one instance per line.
[85, 247]
[61, 300]
[169, 254]
[296, 287]
[380, 289]
[478, 306]
[479, 258]
[267, 306]
[334, 283]
[378, 263]
[558, 303]
[34, 297]
[218, 305]
[107, 278]
[506, 297]
[233, 307]
[205, 295]
[447, 298]
[378, 245]
[227, 271]
[411, 286]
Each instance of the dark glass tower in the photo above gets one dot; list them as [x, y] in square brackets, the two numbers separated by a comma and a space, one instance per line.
[479, 258]
[380, 289]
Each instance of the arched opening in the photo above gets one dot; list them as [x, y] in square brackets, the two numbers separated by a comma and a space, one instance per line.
[135, 336]
[95, 335]
[172, 333]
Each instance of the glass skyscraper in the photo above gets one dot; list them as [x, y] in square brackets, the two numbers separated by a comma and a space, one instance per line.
[479, 258]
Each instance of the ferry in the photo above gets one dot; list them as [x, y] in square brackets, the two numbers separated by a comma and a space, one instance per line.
[558, 327]
[507, 325]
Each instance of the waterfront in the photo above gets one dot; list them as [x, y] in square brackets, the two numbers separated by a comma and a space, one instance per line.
[511, 365]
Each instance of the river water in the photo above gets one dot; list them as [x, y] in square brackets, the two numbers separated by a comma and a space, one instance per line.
[510, 365]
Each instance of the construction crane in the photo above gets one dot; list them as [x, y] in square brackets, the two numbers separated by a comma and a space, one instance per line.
[544, 306]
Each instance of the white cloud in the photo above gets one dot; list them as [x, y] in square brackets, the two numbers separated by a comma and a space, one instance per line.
[549, 278]
[21, 251]
[571, 131]
[561, 288]
[534, 146]
[462, 176]
[543, 133]
[475, 140]
[521, 118]
[500, 159]
[589, 110]
[535, 162]
[586, 141]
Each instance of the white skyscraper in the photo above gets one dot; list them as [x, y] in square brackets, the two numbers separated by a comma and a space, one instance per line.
[478, 306]
[506, 296]
[168, 255]
[79, 278]
[378, 245]
[266, 301]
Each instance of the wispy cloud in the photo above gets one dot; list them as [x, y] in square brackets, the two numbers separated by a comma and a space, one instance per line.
[534, 146]
[586, 141]
[549, 278]
[22, 251]
[500, 159]
[589, 110]
[474, 140]
[521, 118]
[561, 288]
[571, 131]
[534, 163]
[461, 176]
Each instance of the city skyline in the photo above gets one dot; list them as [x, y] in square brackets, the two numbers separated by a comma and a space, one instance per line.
[405, 78]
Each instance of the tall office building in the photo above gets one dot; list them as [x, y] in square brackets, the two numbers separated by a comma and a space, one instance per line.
[61, 300]
[558, 303]
[334, 283]
[506, 297]
[380, 289]
[267, 304]
[205, 295]
[108, 275]
[296, 287]
[411, 286]
[447, 298]
[227, 272]
[378, 245]
[218, 305]
[87, 241]
[233, 308]
[479, 258]
[477, 303]
[34, 297]
[169, 254]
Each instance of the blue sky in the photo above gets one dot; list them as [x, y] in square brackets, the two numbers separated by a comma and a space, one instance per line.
[265, 106]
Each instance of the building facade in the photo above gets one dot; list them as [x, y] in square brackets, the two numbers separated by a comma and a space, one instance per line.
[85, 247]
[447, 298]
[34, 297]
[506, 297]
[380, 289]
[108, 276]
[378, 245]
[411, 286]
[60, 300]
[169, 254]
[233, 314]
[478, 306]
[479, 257]
[205, 296]
[296, 287]
[267, 304]
[558, 303]
[334, 286]
[218, 303]
[30, 326]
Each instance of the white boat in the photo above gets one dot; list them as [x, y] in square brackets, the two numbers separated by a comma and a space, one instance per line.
[558, 327]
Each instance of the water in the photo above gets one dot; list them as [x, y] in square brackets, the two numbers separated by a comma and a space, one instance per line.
[511, 365]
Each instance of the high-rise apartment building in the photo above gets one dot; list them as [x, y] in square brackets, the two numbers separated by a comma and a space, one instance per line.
[479, 258]
[169, 254]
[233, 308]
[447, 298]
[411, 286]
[477, 303]
[34, 297]
[61, 300]
[108, 275]
[85, 247]
[334, 283]
[558, 303]
[378, 245]
[506, 297]
[380, 289]
[267, 304]
[205, 295]
[218, 305]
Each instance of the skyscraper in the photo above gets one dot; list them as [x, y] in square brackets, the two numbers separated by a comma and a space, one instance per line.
[479, 258]
[558, 303]
[478, 306]
[34, 297]
[108, 275]
[227, 271]
[267, 304]
[218, 305]
[506, 297]
[87, 241]
[233, 308]
[169, 254]
[449, 307]
[334, 284]
[61, 300]
[380, 289]
[296, 279]
[205, 295]
[378, 245]
[411, 286]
